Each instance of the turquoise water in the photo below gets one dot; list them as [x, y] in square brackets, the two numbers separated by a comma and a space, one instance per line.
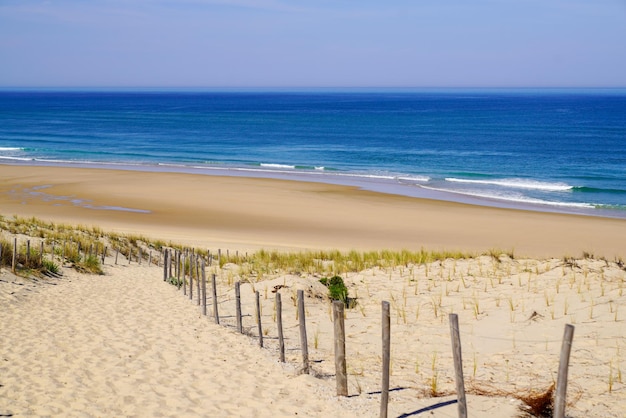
[551, 150]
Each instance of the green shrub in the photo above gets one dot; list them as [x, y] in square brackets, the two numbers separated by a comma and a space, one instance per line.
[337, 289]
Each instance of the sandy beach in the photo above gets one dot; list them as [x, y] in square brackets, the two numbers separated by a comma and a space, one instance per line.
[126, 343]
[252, 213]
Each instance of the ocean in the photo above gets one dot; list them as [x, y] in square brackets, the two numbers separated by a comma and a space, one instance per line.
[545, 150]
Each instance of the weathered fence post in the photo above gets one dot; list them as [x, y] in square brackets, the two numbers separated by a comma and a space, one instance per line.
[181, 266]
[14, 262]
[165, 265]
[258, 318]
[303, 339]
[238, 307]
[340, 348]
[279, 323]
[27, 253]
[458, 365]
[197, 265]
[63, 254]
[41, 253]
[561, 381]
[104, 253]
[190, 259]
[203, 289]
[150, 259]
[215, 312]
[384, 392]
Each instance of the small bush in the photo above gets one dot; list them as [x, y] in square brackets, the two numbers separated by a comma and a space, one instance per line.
[337, 289]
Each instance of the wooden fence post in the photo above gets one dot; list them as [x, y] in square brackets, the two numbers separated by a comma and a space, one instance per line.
[279, 323]
[561, 381]
[303, 339]
[215, 312]
[165, 265]
[258, 318]
[458, 365]
[203, 289]
[190, 260]
[104, 253]
[14, 262]
[238, 307]
[150, 258]
[41, 254]
[27, 253]
[181, 266]
[340, 348]
[384, 392]
[198, 286]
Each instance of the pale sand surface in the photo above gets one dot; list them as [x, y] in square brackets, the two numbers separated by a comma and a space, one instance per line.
[129, 344]
[259, 213]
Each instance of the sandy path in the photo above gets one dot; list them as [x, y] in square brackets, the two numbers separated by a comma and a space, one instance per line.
[130, 345]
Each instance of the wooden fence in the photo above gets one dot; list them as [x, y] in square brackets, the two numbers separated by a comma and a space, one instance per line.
[179, 267]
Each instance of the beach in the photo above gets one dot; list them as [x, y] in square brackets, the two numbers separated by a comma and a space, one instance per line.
[254, 213]
[127, 343]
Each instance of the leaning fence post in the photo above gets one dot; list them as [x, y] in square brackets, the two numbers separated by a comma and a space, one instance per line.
[561, 381]
[303, 339]
[279, 323]
[384, 392]
[238, 307]
[198, 286]
[215, 312]
[258, 318]
[340, 348]
[458, 365]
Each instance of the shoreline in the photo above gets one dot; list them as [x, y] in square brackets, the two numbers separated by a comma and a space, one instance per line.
[413, 186]
[250, 213]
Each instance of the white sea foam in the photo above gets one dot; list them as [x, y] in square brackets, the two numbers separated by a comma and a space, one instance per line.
[517, 184]
[2, 157]
[419, 179]
[283, 166]
[11, 149]
[515, 198]
[320, 168]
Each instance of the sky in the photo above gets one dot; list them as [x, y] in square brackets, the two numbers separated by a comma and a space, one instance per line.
[307, 43]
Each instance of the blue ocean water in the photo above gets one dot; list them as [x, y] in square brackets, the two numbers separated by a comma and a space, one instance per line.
[547, 150]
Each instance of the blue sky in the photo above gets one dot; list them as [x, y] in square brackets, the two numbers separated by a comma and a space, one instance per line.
[305, 43]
